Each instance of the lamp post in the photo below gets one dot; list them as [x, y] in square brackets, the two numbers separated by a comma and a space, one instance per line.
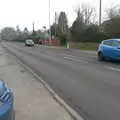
[33, 27]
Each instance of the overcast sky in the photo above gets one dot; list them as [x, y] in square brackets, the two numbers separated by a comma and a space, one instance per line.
[24, 12]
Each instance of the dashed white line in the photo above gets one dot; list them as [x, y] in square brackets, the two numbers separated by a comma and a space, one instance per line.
[71, 57]
[68, 55]
[68, 58]
[89, 52]
[113, 69]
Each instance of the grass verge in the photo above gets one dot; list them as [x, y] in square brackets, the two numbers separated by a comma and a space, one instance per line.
[84, 46]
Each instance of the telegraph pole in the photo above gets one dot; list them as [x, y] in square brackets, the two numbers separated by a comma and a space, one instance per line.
[49, 22]
[100, 12]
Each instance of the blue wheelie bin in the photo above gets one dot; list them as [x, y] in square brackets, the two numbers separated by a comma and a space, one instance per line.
[6, 102]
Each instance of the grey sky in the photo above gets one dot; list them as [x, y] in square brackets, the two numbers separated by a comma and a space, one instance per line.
[24, 12]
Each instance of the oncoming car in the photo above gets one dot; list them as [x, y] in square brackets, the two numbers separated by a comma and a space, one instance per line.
[109, 50]
[29, 43]
[6, 102]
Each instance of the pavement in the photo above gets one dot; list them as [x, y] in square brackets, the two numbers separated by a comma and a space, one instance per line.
[90, 87]
[32, 100]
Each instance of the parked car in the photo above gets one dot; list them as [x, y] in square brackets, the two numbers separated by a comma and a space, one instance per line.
[6, 102]
[29, 43]
[109, 50]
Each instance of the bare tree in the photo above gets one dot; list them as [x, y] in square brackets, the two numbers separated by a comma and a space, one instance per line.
[86, 14]
[112, 26]
[113, 12]
[62, 28]
[8, 33]
[63, 23]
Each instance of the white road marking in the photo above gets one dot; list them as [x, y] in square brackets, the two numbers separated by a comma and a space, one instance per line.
[68, 55]
[114, 69]
[90, 52]
[68, 58]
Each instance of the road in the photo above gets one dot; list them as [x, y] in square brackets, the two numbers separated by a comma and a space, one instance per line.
[91, 87]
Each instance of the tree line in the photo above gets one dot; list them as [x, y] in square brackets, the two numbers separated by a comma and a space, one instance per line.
[16, 34]
[84, 28]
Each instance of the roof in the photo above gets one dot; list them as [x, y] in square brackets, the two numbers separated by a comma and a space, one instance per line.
[118, 39]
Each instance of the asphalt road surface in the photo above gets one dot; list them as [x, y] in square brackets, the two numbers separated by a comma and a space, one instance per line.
[91, 87]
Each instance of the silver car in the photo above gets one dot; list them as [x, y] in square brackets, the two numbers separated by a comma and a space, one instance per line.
[29, 43]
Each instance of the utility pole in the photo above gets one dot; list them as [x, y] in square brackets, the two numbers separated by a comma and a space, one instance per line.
[49, 22]
[100, 12]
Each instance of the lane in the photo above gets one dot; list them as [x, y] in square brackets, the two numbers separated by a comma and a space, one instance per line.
[72, 55]
[62, 52]
[90, 57]
[90, 88]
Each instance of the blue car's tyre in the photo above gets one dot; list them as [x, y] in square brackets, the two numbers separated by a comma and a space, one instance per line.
[100, 56]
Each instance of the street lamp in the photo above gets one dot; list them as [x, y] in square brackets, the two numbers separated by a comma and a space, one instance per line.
[33, 27]
[100, 12]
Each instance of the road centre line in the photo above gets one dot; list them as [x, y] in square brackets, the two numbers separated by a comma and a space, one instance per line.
[113, 69]
[68, 58]
[68, 55]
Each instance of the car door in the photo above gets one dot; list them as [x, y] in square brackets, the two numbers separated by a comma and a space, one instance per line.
[107, 48]
[115, 53]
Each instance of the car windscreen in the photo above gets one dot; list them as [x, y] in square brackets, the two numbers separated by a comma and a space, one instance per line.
[108, 42]
[30, 41]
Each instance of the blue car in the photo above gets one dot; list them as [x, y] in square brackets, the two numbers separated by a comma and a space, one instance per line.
[109, 50]
[6, 102]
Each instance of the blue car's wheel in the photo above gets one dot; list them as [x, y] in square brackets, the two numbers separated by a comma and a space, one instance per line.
[100, 56]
